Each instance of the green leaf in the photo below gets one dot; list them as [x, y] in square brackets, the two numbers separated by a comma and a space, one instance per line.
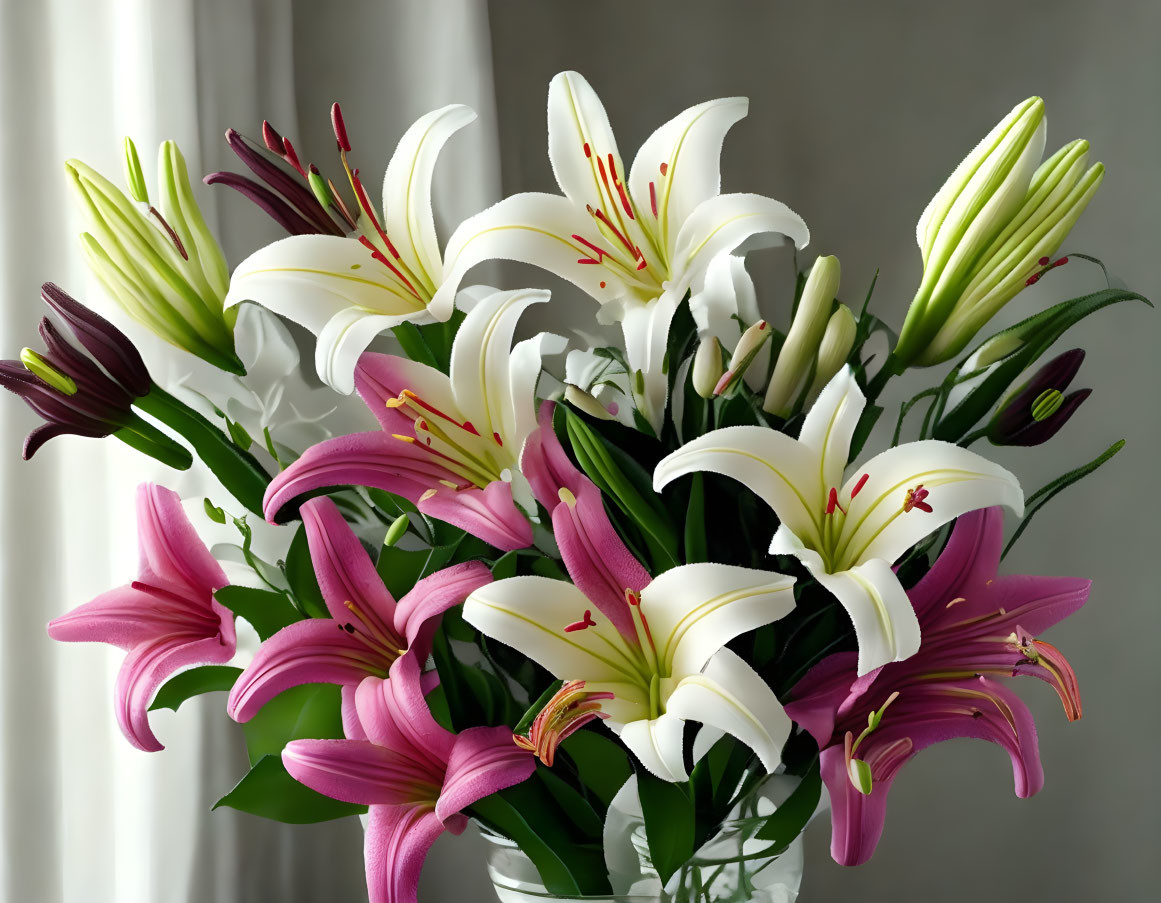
[791, 817]
[414, 345]
[669, 822]
[601, 762]
[695, 542]
[299, 571]
[1047, 493]
[863, 428]
[267, 611]
[582, 816]
[268, 790]
[309, 712]
[505, 566]
[194, 682]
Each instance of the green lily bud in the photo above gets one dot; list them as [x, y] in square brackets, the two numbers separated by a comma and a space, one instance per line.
[835, 348]
[396, 530]
[46, 372]
[161, 265]
[585, 402]
[802, 341]
[745, 351]
[707, 366]
[134, 177]
[989, 231]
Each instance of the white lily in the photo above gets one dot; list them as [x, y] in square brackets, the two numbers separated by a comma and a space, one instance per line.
[668, 668]
[849, 534]
[348, 290]
[635, 246]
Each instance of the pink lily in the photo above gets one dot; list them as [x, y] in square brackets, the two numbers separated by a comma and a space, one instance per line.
[977, 631]
[416, 777]
[166, 619]
[449, 443]
[367, 631]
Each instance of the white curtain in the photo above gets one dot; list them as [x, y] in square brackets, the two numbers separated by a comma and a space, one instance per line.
[86, 817]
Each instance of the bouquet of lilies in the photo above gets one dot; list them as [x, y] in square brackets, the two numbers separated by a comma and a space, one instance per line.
[568, 584]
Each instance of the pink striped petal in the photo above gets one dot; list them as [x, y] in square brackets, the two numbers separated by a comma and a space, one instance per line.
[483, 760]
[380, 378]
[816, 698]
[397, 841]
[488, 513]
[432, 596]
[122, 617]
[171, 552]
[546, 465]
[356, 771]
[394, 714]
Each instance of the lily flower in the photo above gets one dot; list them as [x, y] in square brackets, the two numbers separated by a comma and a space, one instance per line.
[657, 645]
[978, 631]
[348, 290]
[635, 240]
[367, 631]
[87, 390]
[848, 534]
[416, 777]
[451, 444]
[166, 619]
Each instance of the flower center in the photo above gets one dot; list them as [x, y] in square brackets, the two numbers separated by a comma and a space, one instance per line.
[454, 445]
[383, 642]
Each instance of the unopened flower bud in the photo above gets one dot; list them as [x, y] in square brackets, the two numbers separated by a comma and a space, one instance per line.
[396, 530]
[1036, 411]
[134, 178]
[585, 402]
[746, 350]
[707, 367]
[802, 341]
[319, 186]
[835, 348]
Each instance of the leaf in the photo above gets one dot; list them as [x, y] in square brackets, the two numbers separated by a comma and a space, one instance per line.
[412, 342]
[309, 712]
[194, 682]
[791, 817]
[268, 790]
[299, 571]
[505, 566]
[582, 816]
[868, 419]
[1045, 494]
[601, 762]
[267, 611]
[695, 542]
[669, 822]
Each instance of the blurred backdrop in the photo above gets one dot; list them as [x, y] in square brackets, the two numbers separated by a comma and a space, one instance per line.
[858, 111]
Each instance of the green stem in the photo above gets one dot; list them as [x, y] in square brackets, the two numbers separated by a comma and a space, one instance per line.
[237, 470]
[892, 367]
[972, 437]
[151, 441]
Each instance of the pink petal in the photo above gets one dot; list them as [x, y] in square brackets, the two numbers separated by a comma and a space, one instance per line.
[172, 553]
[483, 760]
[964, 567]
[394, 713]
[344, 570]
[597, 560]
[546, 465]
[816, 698]
[380, 378]
[435, 594]
[314, 651]
[122, 617]
[352, 729]
[397, 842]
[147, 667]
[356, 771]
[1038, 603]
[488, 513]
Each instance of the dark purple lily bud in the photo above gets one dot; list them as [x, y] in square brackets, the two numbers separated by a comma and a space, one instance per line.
[1038, 409]
[285, 196]
[85, 391]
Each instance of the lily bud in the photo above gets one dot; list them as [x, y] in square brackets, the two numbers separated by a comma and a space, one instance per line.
[585, 402]
[134, 177]
[707, 367]
[1036, 411]
[835, 348]
[396, 530]
[991, 230]
[746, 350]
[802, 341]
[162, 265]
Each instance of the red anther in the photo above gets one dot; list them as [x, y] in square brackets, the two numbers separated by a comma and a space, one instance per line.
[601, 253]
[664, 168]
[499, 441]
[632, 598]
[600, 214]
[272, 139]
[653, 197]
[859, 485]
[762, 324]
[1043, 261]
[314, 170]
[1061, 262]
[292, 157]
[340, 128]
[1033, 279]
[588, 150]
[832, 502]
[586, 621]
[644, 263]
[602, 285]
[915, 499]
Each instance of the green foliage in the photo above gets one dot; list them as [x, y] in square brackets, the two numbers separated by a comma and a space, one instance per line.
[194, 682]
[268, 790]
[267, 611]
[669, 822]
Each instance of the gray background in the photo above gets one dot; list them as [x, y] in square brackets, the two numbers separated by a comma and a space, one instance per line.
[858, 112]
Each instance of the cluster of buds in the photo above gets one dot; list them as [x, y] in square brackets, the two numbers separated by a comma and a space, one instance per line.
[87, 388]
[990, 231]
[160, 263]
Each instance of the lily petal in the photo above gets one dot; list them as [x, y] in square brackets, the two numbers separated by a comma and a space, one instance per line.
[489, 514]
[396, 844]
[407, 213]
[354, 771]
[435, 594]
[171, 553]
[483, 761]
[695, 609]
[646, 329]
[731, 697]
[818, 695]
[830, 424]
[659, 745]
[381, 378]
[343, 339]
[579, 134]
[545, 464]
[395, 714]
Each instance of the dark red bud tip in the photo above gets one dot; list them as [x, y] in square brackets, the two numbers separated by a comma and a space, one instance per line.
[1043, 261]
[291, 157]
[314, 169]
[340, 128]
[274, 142]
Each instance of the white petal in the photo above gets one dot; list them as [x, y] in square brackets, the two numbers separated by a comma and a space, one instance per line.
[531, 228]
[646, 329]
[780, 470]
[630, 701]
[730, 696]
[343, 340]
[727, 303]
[830, 424]
[579, 134]
[695, 609]
[524, 370]
[721, 224]
[480, 358]
[659, 745]
[264, 345]
[885, 623]
[407, 216]
[530, 614]
[309, 278]
[957, 480]
[689, 146]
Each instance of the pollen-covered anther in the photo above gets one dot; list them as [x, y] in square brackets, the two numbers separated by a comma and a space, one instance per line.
[569, 709]
[832, 502]
[916, 499]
